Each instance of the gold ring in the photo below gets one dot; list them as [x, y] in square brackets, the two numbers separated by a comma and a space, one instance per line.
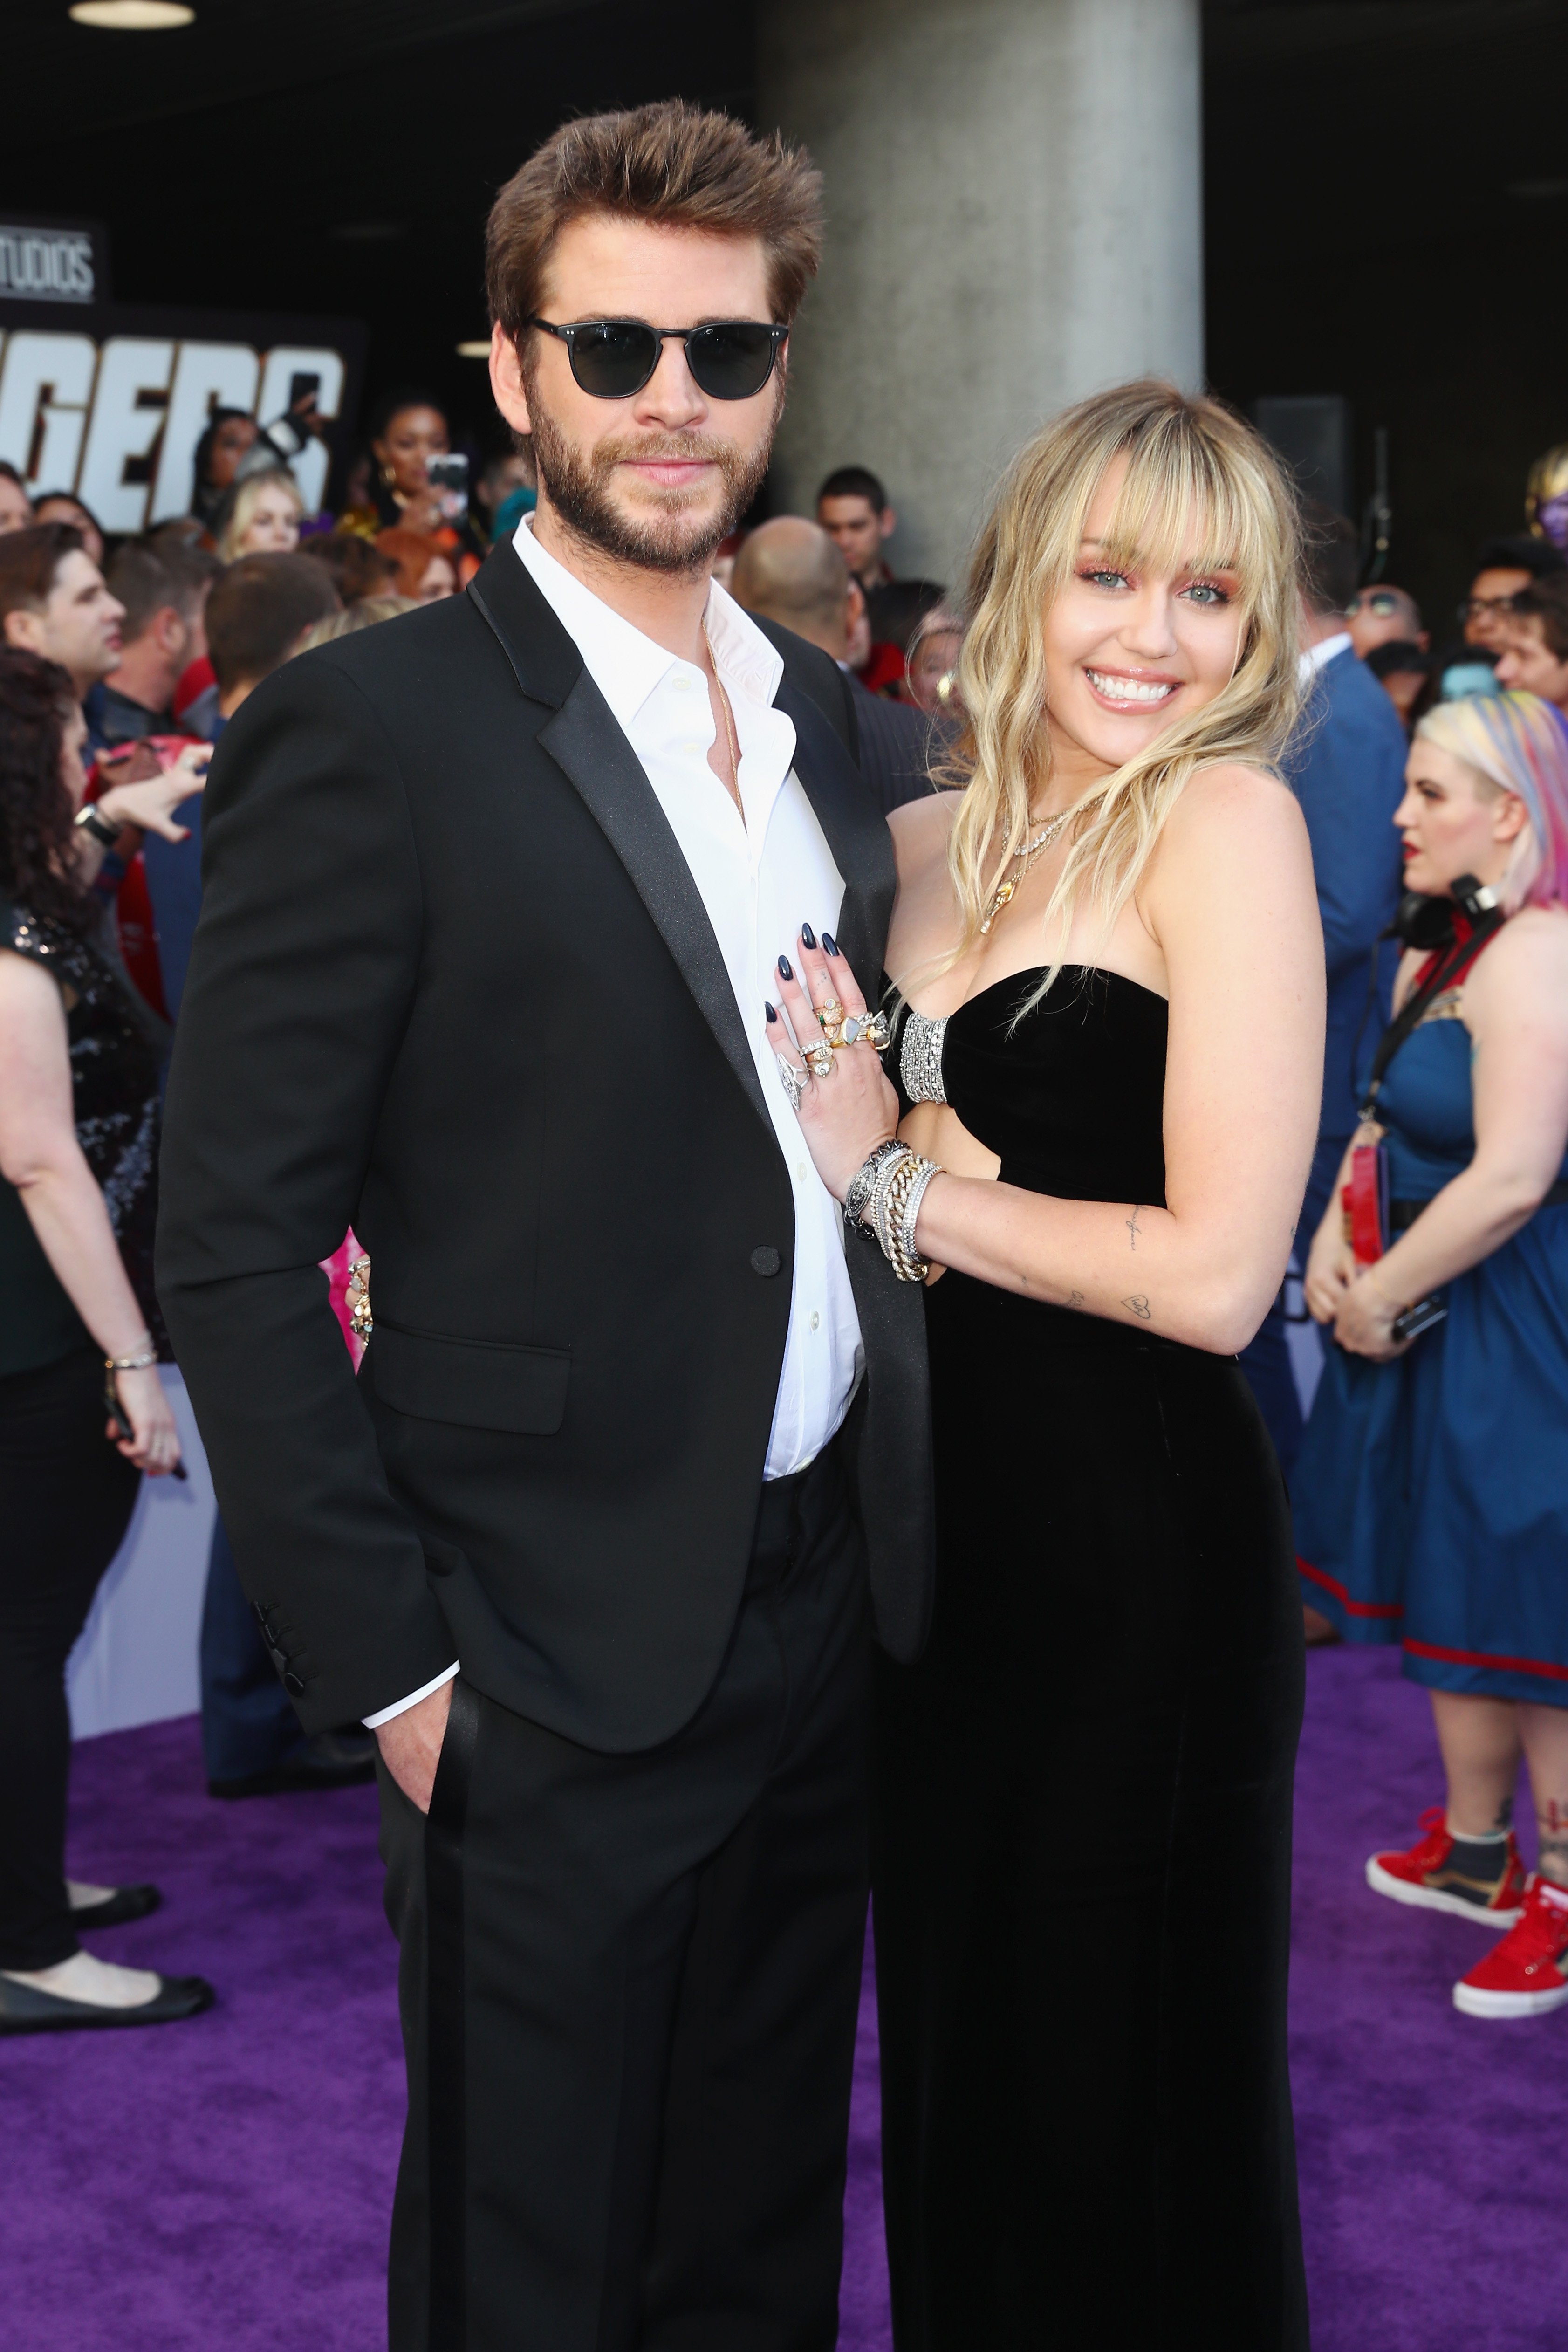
[831, 1016]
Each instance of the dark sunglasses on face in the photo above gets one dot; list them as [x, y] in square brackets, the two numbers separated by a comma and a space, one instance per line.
[612, 359]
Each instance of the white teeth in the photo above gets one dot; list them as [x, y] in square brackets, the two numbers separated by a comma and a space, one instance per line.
[1129, 690]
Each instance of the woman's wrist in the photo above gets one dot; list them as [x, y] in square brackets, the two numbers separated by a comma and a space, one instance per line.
[139, 1355]
[1391, 1307]
[99, 823]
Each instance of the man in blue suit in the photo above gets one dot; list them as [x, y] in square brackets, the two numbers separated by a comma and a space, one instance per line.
[1346, 764]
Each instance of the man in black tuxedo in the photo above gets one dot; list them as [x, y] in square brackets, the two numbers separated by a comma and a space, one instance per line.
[492, 898]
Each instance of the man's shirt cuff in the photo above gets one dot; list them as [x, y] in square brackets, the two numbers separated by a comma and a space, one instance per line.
[402, 1706]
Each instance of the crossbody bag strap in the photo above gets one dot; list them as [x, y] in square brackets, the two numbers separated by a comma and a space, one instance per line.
[1443, 969]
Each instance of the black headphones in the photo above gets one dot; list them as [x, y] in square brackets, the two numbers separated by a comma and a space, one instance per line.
[1428, 923]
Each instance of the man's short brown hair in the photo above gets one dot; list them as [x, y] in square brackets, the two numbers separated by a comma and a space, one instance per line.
[29, 561]
[673, 165]
[1545, 600]
[258, 612]
[147, 575]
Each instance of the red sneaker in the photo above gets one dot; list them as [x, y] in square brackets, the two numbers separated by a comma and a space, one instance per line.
[1528, 1973]
[1426, 1875]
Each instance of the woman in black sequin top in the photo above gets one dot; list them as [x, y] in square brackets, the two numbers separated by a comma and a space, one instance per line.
[79, 1139]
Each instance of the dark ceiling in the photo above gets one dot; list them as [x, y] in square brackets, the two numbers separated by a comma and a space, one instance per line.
[1386, 192]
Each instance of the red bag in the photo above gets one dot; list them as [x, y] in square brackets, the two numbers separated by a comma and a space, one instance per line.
[1365, 1203]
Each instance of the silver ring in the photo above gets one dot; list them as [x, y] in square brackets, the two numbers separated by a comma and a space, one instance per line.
[868, 1028]
[793, 1081]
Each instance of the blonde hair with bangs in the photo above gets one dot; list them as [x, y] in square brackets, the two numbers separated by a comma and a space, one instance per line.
[1202, 491]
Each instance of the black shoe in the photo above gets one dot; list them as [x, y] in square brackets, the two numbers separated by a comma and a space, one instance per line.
[328, 1760]
[27, 2009]
[125, 1903]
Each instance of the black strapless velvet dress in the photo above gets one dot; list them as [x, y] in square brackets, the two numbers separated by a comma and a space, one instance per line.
[1083, 1858]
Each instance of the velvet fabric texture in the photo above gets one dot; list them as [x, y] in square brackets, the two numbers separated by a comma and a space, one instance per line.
[1081, 1853]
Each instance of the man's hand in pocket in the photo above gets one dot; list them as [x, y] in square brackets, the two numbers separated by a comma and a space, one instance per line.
[410, 1745]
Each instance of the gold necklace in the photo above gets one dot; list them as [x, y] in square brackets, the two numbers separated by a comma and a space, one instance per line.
[731, 742]
[1025, 857]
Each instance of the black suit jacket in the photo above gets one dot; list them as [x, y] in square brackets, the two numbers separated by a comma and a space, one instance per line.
[897, 747]
[454, 985]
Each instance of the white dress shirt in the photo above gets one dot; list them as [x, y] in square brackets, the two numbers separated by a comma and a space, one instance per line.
[758, 881]
[1316, 657]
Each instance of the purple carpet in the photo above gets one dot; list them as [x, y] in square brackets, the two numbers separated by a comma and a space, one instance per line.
[227, 2182]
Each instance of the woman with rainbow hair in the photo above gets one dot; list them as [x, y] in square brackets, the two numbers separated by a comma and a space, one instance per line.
[1432, 1488]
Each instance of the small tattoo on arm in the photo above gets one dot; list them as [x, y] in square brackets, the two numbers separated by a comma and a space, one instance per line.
[1134, 1228]
[1139, 1305]
[1075, 1298]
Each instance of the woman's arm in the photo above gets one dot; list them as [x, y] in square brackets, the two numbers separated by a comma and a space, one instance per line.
[39, 1155]
[1516, 1005]
[1231, 904]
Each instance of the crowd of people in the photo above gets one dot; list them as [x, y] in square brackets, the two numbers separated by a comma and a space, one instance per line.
[1176, 896]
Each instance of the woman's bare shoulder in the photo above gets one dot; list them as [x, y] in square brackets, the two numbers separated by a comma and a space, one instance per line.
[1234, 820]
[1237, 789]
[1530, 952]
[920, 830]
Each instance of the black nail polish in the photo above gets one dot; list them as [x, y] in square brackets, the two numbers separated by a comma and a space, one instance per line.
[807, 935]
[785, 969]
[768, 1010]
[830, 945]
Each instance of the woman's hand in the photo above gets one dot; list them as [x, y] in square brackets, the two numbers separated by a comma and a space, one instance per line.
[1330, 1269]
[847, 1113]
[154, 1441]
[1364, 1320]
[151, 804]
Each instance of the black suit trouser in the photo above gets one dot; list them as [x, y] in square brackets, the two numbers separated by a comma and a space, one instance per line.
[629, 1988]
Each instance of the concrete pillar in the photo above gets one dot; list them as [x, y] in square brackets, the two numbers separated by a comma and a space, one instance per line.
[1014, 219]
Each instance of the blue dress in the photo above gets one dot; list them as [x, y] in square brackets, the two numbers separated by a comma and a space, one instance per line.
[1431, 1494]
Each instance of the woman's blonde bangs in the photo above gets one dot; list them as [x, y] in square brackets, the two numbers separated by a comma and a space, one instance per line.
[1201, 492]
[1180, 509]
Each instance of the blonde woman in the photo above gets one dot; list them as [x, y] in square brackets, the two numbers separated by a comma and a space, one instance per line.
[1432, 1508]
[261, 516]
[1109, 947]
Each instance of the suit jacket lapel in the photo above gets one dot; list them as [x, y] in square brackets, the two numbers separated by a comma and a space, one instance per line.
[587, 744]
[593, 754]
[856, 833]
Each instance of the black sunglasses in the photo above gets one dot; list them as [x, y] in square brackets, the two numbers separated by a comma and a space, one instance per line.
[614, 358]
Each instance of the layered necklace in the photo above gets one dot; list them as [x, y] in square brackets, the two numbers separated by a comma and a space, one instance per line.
[1024, 858]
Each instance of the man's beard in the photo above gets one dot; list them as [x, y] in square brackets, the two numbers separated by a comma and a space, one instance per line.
[678, 539]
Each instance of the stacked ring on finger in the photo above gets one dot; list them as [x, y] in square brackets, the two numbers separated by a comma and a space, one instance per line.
[818, 1059]
[863, 1028]
[832, 1016]
[793, 1080]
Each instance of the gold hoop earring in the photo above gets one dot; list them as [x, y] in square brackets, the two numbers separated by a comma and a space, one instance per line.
[389, 476]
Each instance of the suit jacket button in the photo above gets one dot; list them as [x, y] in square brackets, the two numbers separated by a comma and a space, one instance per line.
[292, 1684]
[765, 1260]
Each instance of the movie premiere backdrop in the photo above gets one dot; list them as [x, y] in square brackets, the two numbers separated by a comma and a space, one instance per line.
[109, 400]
